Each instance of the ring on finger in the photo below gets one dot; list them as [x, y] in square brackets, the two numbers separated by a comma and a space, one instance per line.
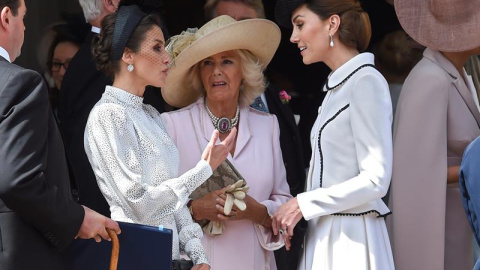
[281, 231]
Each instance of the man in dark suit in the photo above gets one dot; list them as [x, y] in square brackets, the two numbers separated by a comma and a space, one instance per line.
[82, 87]
[38, 216]
[270, 101]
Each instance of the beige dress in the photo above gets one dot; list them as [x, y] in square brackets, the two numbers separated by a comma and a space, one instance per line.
[437, 116]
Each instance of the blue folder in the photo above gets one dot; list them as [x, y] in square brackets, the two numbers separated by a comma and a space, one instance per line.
[141, 248]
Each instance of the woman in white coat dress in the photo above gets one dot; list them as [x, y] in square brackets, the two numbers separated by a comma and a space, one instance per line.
[351, 162]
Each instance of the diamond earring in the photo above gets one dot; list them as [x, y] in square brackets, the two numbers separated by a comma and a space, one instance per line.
[331, 40]
[130, 67]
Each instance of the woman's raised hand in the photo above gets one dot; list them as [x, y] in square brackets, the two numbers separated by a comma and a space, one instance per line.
[214, 153]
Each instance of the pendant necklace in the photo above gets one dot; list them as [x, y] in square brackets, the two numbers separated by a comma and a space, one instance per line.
[222, 124]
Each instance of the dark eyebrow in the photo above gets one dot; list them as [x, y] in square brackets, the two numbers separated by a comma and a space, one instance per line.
[296, 17]
[160, 41]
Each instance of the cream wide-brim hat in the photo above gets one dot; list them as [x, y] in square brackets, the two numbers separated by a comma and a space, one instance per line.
[443, 25]
[259, 36]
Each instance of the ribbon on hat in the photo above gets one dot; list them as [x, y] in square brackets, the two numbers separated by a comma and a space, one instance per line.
[176, 44]
[128, 17]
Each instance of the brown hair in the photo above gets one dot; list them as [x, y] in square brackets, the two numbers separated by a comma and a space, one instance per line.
[355, 29]
[102, 43]
[210, 7]
[14, 5]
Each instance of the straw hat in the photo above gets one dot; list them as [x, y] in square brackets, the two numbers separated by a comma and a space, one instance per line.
[259, 36]
[443, 25]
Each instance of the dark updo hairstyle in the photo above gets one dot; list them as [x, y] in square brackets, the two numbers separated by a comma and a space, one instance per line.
[102, 43]
[355, 29]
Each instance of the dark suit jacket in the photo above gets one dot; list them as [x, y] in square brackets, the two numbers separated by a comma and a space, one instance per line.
[38, 215]
[82, 86]
[291, 145]
[289, 140]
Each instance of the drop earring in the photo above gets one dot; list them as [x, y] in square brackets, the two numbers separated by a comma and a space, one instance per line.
[331, 41]
[130, 67]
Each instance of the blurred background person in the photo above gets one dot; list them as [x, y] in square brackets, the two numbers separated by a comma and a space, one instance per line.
[66, 43]
[351, 161]
[82, 86]
[437, 117]
[214, 83]
[395, 56]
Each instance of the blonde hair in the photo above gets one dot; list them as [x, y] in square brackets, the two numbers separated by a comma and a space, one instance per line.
[252, 73]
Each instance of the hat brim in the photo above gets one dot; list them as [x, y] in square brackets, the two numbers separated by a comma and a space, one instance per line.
[435, 32]
[259, 36]
[284, 10]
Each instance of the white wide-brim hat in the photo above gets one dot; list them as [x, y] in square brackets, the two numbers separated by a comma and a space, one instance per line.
[259, 36]
[443, 25]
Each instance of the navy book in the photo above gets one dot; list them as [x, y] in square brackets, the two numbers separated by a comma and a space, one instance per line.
[141, 247]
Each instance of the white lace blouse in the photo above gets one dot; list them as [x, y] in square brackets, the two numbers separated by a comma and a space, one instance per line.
[136, 166]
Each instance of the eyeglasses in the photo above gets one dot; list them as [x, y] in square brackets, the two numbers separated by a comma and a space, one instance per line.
[55, 66]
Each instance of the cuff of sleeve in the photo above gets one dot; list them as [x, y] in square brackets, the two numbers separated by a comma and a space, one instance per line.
[305, 203]
[267, 239]
[195, 251]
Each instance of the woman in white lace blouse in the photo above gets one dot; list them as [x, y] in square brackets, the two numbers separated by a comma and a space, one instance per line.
[134, 160]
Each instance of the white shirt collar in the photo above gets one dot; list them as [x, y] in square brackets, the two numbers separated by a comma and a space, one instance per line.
[4, 54]
[95, 29]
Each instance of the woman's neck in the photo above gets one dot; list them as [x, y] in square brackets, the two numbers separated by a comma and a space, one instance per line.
[129, 84]
[341, 55]
[458, 59]
[222, 108]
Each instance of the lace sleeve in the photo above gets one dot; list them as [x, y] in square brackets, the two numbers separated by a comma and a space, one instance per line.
[189, 236]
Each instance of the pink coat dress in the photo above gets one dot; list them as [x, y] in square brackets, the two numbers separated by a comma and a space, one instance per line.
[437, 117]
[258, 158]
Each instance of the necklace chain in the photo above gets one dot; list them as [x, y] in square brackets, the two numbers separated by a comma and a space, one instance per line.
[223, 124]
[348, 77]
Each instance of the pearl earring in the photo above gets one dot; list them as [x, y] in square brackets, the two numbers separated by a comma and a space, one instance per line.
[331, 40]
[130, 67]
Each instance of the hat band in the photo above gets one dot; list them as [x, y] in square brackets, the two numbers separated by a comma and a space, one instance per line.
[128, 17]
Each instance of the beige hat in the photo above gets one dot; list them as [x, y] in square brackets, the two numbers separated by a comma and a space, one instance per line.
[259, 36]
[443, 25]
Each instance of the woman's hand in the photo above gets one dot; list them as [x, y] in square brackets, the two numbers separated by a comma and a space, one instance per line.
[285, 220]
[202, 266]
[214, 153]
[255, 212]
[207, 207]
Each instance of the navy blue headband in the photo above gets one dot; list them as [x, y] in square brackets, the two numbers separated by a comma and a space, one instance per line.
[128, 17]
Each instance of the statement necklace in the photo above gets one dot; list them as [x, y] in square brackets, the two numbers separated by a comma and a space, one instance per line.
[223, 124]
[348, 77]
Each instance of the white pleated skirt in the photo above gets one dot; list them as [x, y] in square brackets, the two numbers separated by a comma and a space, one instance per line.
[347, 242]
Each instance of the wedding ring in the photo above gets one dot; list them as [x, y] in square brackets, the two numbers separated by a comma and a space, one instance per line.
[281, 231]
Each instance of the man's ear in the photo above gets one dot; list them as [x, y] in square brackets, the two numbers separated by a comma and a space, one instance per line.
[5, 17]
[110, 6]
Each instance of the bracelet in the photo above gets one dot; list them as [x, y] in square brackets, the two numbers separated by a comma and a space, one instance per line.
[265, 218]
